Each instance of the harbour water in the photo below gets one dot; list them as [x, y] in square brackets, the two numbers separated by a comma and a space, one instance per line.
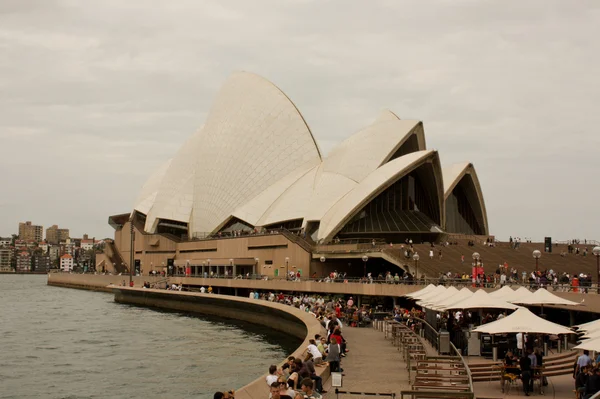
[67, 343]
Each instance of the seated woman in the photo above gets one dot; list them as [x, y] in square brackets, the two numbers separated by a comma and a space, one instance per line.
[511, 371]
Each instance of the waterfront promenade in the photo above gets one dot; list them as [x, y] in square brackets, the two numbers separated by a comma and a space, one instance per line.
[372, 365]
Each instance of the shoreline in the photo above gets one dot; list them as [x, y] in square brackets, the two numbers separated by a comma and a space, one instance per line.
[276, 316]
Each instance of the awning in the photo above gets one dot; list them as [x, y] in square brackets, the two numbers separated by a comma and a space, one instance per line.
[543, 297]
[482, 300]
[524, 321]
[421, 292]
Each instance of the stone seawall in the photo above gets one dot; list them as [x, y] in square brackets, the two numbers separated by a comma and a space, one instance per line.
[272, 315]
[94, 282]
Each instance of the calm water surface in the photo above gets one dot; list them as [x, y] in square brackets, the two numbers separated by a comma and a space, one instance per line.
[66, 343]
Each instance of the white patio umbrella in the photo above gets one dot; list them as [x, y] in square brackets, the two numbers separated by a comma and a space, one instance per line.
[459, 296]
[439, 290]
[543, 297]
[430, 301]
[422, 291]
[590, 344]
[482, 300]
[520, 293]
[505, 293]
[524, 321]
[589, 326]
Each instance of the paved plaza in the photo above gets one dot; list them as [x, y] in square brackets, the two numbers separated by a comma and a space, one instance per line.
[375, 365]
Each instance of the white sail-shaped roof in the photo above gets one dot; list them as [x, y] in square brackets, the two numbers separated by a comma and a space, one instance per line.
[255, 159]
[147, 195]
[453, 174]
[254, 136]
[371, 147]
[370, 187]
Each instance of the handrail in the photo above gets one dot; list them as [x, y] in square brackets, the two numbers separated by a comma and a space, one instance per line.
[462, 359]
[582, 289]
[452, 347]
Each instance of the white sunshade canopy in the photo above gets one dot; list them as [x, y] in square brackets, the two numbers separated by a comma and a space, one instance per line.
[521, 293]
[459, 296]
[505, 293]
[591, 345]
[543, 297]
[482, 300]
[450, 291]
[439, 290]
[523, 321]
[417, 294]
[590, 326]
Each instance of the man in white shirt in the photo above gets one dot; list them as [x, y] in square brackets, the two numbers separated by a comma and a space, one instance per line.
[272, 377]
[584, 360]
[251, 296]
[202, 290]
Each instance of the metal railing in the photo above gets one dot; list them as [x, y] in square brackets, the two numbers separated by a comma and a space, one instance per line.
[462, 359]
[433, 336]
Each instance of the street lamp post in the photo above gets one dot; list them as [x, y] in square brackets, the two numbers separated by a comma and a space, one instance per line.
[416, 259]
[230, 266]
[596, 252]
[209, 271]
[187, 267]
[287, 263]
[131, 251]
[365, 258]
[536, 255]
[256, 265]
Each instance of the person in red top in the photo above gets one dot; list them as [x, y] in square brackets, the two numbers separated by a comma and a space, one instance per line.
[131, 283]
[338, 310]
[336, 336]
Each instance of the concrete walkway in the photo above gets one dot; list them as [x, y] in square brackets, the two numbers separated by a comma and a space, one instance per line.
[373, 364]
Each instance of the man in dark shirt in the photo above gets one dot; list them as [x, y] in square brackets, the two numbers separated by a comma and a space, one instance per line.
[581, 381]
[593, 384]
[525, 364]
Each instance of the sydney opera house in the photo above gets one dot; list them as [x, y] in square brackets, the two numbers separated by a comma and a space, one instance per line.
[255, 167]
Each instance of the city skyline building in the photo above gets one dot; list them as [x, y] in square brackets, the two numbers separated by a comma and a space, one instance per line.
[56, 235]
[31, 232]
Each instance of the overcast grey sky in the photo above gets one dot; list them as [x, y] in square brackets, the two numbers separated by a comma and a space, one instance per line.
[94, 95]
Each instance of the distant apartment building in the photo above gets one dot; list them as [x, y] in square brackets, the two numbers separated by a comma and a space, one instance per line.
[6, 255]
[5, 241]
[54, 252]
[31, 232]
[43, 246]
[41, 262]
[54, 235]
[87, 243]
[23, 261]
[66, 263]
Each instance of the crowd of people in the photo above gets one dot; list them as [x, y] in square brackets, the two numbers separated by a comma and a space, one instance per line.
[586, 373]
[298, 377]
